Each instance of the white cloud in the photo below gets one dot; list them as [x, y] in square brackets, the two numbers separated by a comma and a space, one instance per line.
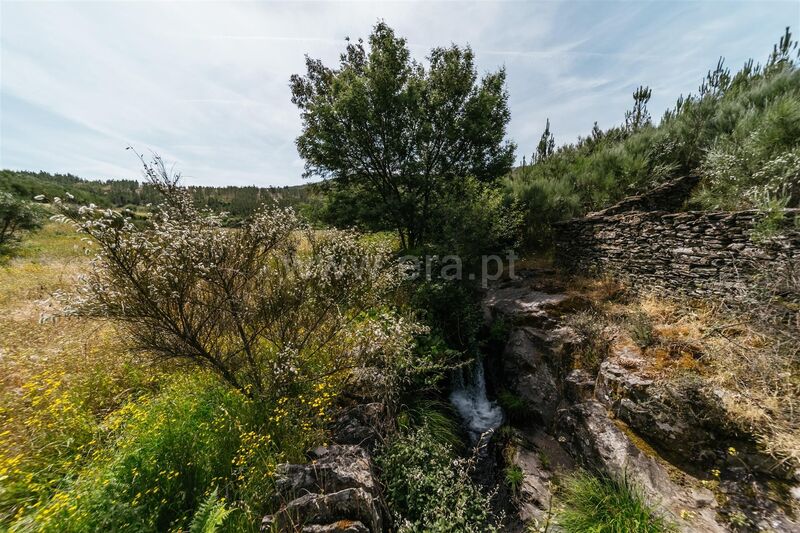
[206, 84]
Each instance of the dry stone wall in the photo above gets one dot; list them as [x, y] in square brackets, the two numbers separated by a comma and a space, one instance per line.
[693, 252]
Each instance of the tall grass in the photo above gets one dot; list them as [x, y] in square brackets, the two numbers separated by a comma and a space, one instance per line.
[607, 505]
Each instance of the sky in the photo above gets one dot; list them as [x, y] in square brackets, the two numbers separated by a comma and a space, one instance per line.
[206, 84]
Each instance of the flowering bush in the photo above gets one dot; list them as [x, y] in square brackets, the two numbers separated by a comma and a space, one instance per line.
[272, 307]
[429, 488]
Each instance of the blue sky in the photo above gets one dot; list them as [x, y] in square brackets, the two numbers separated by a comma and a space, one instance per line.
[205, 84]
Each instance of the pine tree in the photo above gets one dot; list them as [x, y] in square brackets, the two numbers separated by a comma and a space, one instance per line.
[546, 146]
[639, 116]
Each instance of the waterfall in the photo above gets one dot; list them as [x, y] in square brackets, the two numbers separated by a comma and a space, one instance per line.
[469, 398]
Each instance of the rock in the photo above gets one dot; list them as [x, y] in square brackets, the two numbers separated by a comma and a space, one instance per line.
[535, 364]
[334, 492]
[535, 492]
[360, 425]
[520, 305]
[579, 386]
[529, 376]
[342, 526]
[348, 505]
[592, 437]
[539, 457]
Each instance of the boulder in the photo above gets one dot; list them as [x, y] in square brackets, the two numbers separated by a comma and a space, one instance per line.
[529, 376]
[535, 363]
[360, 425]
[337, 491]
[519, 305]
[579, 386]
[592, 437]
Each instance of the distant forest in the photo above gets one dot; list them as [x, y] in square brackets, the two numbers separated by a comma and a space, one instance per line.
[238, 202]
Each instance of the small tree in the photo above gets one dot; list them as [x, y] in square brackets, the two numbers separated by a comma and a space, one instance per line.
[399, 133]
[639, 116]
[16, 216]
[546, 146]
[271, 307]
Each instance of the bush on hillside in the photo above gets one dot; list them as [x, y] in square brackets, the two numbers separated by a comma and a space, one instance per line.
[273, 307]
[16, 216]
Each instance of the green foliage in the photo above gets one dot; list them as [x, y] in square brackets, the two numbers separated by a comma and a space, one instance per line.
[402, 137]
[452, 310]
[16, 216]
[210, 515]
[429, 489]
[438, 419]
[595, 342]
[514, 477]
[607, 505]
[513, 405]
[640, 327]
[161, 456]
[639, 116]
[741, 132]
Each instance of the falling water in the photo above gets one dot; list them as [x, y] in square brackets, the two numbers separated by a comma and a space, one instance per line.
[469, 398]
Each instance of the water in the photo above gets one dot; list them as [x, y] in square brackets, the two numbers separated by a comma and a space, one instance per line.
[480, 415]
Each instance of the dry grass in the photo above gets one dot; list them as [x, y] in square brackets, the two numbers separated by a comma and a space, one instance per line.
[57, 377]
[751, 364]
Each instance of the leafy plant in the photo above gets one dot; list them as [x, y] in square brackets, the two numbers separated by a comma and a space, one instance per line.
[641, 329]
[607, 505]
[513, 405]
[594, 341]
[429, 488]
[210, 515]
[514, 477]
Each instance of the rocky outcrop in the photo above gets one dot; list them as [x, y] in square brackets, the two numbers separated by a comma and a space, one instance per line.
[361, 425]
[667, 434]
[589, 434]
[336, 492]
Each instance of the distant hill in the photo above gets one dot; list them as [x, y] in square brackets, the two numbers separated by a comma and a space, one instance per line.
[238, 201]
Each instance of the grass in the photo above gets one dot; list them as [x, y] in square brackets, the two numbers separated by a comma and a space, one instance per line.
[607, 505]
[96, 438]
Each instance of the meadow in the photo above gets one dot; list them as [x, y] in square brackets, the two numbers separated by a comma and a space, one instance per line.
[94, 436]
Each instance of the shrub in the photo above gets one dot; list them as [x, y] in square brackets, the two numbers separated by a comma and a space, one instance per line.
[429, 489]
[641, 329]
[16, 216]
[437, 417]
[513, 405]
[272, 307]
[607, 505]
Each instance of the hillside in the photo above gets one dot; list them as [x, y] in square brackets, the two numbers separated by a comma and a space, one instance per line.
[740, 132]
[237, 201]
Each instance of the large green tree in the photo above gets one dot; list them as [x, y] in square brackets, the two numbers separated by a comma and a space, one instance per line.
[400, 134]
